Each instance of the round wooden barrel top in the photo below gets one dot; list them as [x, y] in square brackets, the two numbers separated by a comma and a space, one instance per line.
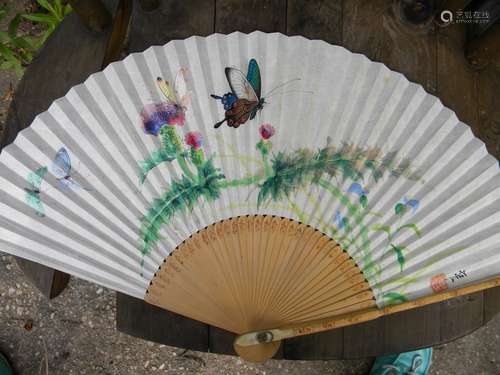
[427, 56]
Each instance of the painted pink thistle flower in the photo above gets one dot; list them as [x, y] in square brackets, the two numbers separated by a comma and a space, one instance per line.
[154, 116]
[194, 139]
[266, 131]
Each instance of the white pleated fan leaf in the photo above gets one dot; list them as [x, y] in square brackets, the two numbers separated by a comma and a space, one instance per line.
[115, 175]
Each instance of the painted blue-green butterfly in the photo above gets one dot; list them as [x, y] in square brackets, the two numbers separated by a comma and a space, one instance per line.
[244, 100]
[32, 195]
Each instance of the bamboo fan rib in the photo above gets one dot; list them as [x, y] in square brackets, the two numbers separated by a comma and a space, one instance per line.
[253, 181]
[259, 272]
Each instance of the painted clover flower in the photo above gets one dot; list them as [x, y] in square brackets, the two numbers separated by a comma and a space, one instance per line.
[154, 116]
[194, 139]
[266, 131]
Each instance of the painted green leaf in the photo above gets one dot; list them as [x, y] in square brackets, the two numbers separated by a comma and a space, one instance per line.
[393, 298]
[400, 209]
[399, 253]
[363, 201]
[156, 158]
[181, 197]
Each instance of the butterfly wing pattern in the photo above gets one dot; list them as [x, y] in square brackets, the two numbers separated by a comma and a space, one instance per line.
[167, 90]
[181, 90]
[244, 100]
[239, 85]
[61, 169]
[32, 195]
[253, 76]
[61, 166]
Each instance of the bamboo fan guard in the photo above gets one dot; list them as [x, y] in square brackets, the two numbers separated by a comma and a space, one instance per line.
[268, 185]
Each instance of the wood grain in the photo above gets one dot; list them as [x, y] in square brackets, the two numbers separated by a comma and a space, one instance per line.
[294, 274]
[315, 19]
[461, 316]
[149, 322]
[489, 108]
[250, 15]
[375, 28]
[171, 20]
[456, 80]
[324, 345]
[491, 304]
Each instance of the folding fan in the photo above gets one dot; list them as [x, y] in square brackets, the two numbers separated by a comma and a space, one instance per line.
[272, 186]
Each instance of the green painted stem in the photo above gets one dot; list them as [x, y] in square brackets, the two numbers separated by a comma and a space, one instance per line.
[185, 167]
[300, 214]
[355, 212]
[245, 181]
[267, 167]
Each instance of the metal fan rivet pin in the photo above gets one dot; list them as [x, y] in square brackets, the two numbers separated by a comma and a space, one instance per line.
[265, 337]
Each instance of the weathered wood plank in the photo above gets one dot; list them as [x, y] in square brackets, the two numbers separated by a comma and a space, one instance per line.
[171, 20]
[250, 15]
[456, 81]
[491, 303]
[320, 19]
[68, 57]
[488, 108]
[364, 340]
[93, 13]
[460, 316]
[375, 28]
[220, 341]
[324, 345]
[412, 329]
[140, 319]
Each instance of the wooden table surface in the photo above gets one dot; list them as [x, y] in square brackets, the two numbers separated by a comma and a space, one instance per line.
[428, 55]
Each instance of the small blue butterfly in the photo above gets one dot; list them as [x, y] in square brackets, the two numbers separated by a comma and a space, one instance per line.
[339, 220]
[414, 204]
[357, 189]
[61, 169]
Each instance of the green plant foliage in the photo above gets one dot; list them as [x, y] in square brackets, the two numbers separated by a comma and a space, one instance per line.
[292, 171]
[363, 201]
[56, 11]
[171, 149]
[400, 209]
[181, 197]
[17, 51]
[157, 157]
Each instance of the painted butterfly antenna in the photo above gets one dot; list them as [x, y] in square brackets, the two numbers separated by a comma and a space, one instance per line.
[216, 125]
[281, 85]
[216, 96]
[291, 91]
